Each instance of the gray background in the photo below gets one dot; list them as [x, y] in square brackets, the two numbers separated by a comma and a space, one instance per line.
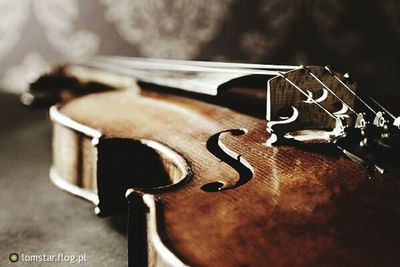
[360, 37]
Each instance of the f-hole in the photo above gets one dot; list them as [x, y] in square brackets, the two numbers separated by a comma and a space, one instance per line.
[236, 161]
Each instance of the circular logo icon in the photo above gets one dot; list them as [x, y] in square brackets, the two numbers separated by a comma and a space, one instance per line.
[13, 257]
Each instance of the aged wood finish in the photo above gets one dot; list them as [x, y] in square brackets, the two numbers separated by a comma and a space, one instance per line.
[300, 208]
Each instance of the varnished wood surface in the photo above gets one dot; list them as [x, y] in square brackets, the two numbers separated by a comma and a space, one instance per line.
[299, 209]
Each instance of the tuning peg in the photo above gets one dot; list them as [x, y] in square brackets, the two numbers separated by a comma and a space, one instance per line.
[379, 120]
[360, 121]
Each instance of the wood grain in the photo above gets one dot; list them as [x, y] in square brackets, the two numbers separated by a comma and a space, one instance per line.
[300, 208]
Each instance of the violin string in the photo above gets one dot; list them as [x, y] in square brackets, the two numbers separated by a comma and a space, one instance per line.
[349, 89]
[160, 66]
[204, 66]
[209, 64]
[327, 88]
[383, 108]
[306, 95]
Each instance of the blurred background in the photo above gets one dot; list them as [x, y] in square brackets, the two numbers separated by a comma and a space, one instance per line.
[359, 37]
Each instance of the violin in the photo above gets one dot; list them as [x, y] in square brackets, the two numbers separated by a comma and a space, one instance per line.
[228, 164]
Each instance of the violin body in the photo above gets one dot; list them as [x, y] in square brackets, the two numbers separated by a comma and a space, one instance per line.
[206, 190]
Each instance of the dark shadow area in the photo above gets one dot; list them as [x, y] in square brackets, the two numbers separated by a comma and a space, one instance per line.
[247, 96]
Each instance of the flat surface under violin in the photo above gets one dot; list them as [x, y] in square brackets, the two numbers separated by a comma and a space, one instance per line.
[300, 208]
[36, 218]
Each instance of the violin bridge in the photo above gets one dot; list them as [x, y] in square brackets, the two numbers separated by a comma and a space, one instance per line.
[308, 105]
